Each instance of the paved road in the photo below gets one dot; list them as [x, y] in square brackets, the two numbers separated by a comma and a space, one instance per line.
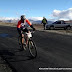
[54, 50]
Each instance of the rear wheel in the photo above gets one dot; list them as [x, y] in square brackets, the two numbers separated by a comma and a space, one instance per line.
[32, 48]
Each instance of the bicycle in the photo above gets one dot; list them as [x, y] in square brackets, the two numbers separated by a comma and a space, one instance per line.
[31, 46]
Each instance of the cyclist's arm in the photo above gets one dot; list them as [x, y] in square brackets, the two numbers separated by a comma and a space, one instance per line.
[30, 24]
[19, 24]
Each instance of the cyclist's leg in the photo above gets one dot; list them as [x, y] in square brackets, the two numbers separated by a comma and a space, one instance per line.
[20, 34]
[22, 38]
[19, 31]
[44, 26]
[26, 30]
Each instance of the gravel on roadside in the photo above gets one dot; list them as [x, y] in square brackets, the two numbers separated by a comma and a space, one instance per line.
[4, 67]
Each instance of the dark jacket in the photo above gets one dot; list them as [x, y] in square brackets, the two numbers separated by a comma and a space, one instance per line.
[44, 21]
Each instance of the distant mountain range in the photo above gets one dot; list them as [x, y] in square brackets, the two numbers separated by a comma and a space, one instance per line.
[32, 21]
[10, 21]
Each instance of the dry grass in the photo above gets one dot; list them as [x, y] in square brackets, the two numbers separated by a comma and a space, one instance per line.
[37, 26]
[7, 24]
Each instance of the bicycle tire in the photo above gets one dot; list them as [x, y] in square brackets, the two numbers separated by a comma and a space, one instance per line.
[32, 48]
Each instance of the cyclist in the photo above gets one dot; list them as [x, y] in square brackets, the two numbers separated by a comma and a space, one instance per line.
[23, 26]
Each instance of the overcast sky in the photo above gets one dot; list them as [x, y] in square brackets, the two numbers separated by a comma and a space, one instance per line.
[51, 9]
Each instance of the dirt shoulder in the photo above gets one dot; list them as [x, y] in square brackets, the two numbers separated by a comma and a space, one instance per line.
[64, 32]
[8, 24]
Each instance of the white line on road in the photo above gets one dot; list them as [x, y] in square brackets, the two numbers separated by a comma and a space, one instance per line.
[55, 68]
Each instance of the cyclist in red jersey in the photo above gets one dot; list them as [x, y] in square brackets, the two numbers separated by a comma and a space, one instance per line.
[22, 26]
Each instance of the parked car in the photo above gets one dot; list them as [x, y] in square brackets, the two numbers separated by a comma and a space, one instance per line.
[58, 24]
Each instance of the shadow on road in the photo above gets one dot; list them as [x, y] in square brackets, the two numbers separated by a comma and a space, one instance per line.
[6, 52]
[13, 56]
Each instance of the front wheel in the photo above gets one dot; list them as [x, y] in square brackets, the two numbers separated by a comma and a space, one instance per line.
[68, 28]
[32, 48]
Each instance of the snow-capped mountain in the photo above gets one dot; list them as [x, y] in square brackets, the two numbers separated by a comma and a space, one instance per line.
[10, 21]
[15, 20]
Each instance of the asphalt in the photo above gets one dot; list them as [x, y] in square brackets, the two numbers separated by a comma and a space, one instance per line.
[53, 51]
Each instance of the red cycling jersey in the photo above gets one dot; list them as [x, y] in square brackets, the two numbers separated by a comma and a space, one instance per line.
[19, 23]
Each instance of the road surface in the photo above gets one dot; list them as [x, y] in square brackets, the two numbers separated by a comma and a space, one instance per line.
[54, 51]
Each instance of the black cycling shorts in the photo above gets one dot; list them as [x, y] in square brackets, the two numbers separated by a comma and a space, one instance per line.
[19, 30]
[25, 30]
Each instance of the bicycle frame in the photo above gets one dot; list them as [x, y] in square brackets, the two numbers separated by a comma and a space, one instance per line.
[28, 35]
[31, 47]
